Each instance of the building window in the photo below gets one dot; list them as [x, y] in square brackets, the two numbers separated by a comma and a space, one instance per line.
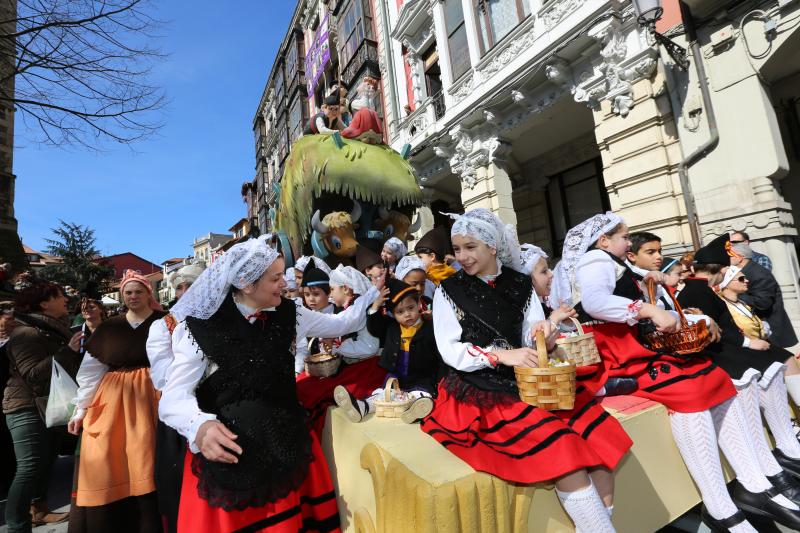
[298, 117]
[279, 84]
[456, 38]
[292, 60]
[355, 25]
[574, 196]
[496, 18]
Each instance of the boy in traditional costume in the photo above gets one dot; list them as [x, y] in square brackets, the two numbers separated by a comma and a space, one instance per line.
[409, 354]
[431, 249]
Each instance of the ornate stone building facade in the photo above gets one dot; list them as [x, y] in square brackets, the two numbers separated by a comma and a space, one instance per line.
[550, 111]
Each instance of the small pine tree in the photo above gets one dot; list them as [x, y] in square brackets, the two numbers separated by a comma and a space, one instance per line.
[80, 266]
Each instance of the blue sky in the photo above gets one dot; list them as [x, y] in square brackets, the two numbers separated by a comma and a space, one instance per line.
[185, 181]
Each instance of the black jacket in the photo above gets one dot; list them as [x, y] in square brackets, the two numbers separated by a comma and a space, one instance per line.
[424, 361]
[728, 353]
[764, 296]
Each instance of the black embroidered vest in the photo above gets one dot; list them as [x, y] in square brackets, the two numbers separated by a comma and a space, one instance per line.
[488, 316]
[252, 391]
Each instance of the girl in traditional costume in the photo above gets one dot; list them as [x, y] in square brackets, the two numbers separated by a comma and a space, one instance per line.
[483, 318]
[117, 408]
[393, 250]
[704, 409]
[252, 463]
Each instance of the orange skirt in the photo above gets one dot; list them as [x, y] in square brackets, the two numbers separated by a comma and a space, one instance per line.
[118, 444]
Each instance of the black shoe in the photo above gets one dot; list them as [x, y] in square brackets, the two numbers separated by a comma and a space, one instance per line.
[788, 485]
[787, 463]
[621, 386]
[724, 525]
[761, 504]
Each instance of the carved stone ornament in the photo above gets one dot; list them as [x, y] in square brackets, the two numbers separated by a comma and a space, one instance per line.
[613, 77]
[468, 151]
[558, 11]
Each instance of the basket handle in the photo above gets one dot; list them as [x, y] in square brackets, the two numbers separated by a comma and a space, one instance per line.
[541, 349]
[578, 325]
[391, 383]
[651, 292]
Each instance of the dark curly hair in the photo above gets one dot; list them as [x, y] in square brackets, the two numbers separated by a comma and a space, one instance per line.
[29, 299]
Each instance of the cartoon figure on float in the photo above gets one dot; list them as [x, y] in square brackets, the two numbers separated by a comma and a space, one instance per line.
[342, 185]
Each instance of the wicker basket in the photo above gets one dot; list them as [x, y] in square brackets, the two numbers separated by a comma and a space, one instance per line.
[323, 365]
[581, 349]
[388, 408]
[546, 387]
[691, 338]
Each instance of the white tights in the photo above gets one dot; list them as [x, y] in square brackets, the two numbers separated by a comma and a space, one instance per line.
[587, 511]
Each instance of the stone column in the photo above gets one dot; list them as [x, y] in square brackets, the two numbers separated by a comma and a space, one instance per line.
[492, 190]
[641, 153]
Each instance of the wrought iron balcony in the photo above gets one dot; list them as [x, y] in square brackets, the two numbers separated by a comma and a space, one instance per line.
[365, 57]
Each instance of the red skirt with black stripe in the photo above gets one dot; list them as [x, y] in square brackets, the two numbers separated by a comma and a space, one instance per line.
[685, 384]
[316, 394]
[312, 507]
[523, 444]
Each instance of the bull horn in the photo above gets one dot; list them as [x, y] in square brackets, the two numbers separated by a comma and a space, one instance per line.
[383, 213]
[318, 226]
[416, 225]
[355, 214]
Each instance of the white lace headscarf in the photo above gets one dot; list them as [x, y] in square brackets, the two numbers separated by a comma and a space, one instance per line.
[406, 265]
[347, 276]
[397, 247]
[530, 257]
[485, 226]
[302, 263]
[577, 242]
[291, 282]
[240, 266]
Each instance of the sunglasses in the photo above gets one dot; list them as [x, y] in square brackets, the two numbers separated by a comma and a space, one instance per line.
[741, 279]
[737, 242]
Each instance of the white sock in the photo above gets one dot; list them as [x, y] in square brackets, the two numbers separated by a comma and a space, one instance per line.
[748, 392]
[738, 448]
[610, 511]
[772, 397]
[587, 510]
[793, 386]
[696, 439]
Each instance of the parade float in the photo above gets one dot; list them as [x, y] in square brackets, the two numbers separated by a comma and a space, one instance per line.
[342, 188]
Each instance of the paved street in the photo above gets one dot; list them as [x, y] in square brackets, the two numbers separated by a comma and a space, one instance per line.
[58, 497]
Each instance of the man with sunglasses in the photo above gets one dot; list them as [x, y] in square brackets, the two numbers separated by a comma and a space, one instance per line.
[740, 237]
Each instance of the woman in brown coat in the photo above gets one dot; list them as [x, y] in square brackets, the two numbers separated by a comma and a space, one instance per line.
[39, 338]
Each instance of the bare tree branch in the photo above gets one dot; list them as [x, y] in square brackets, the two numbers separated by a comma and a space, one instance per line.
[77, 71]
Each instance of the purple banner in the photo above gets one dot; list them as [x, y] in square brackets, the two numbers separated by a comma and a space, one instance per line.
[318, 56]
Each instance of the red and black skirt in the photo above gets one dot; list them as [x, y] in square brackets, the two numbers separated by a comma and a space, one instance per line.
[685, 384]
[311, 507]
[523, 444]
[316, 394]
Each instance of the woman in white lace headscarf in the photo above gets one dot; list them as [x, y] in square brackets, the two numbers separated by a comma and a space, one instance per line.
[483, 317]
[699, 395]
[230, 392]
[393, 250]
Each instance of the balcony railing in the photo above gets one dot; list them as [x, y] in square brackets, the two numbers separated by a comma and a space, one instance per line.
[423, 117]
[366, 56]
[438, 105]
